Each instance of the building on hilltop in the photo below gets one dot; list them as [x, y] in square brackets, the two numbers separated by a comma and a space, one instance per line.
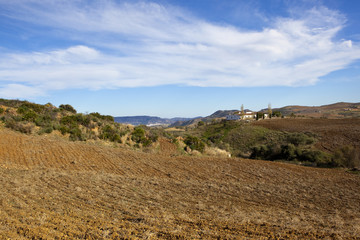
[247, 115]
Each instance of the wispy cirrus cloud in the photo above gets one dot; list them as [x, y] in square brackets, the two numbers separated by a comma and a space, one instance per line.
[147, 44]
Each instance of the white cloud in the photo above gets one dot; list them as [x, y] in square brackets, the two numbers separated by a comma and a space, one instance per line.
[19, 91]
[146, 44]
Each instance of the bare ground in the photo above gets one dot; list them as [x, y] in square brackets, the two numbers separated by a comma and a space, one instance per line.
[54, 189]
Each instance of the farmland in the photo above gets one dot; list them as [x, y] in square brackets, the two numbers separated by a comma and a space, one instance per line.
[332, 133]
[54, 188]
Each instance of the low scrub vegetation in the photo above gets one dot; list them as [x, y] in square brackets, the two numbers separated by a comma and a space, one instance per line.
[194, 143]
[245, 140]
[31, 118]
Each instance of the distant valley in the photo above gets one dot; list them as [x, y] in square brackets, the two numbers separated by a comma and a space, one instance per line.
[149, 120]
[336, 110]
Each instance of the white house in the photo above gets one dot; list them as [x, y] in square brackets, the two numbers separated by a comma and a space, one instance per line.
[238, 116]
[249, 115]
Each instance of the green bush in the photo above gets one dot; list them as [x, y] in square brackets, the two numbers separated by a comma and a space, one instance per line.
[260, 152]
[95, 116]
[46, 129]
[201, 123]
[43, 120]
[22, 109]
[27, 106]
[289, 152]
[300, 139]
[30, 116]
[315, 156]
[347, 156]
[110, 133]
[9, 122]
[67, 107]
[74, 120]
[76, 135]
[2, 110]
[194, 143]
[138, 135]
[23, 127]
[64, 129]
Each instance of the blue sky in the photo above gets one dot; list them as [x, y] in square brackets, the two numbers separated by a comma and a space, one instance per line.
[175, 58]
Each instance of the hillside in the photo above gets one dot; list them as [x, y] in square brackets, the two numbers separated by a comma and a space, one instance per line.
[332, 133]
[54, 188]
[32, 118]
[336, 110]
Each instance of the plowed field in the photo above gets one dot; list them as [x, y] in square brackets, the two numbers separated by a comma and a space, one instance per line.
[332, 133]
[55, 189]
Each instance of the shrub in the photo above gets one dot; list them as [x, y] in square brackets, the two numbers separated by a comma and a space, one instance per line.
[46, 129]
[67, 107]
[300, 139]
[194, 143]
[74, 120]
[1, 110]
[260, 152]
[110, 133]
[153, 136]
[266, 152]
[23, 127]
[43, 120]
[22, 109]
[201, 123]
[138, 135]
[289, 151]
[64, 129]
[95, 116]
[314, 156]
[30, 116]
[76, 135]
[9, 122]
[27, 106]
[347, 156]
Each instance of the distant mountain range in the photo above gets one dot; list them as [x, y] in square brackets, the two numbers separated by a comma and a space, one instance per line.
[149, 120]
[336, 110]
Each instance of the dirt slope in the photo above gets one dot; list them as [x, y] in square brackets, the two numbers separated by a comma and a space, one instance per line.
[52, 188]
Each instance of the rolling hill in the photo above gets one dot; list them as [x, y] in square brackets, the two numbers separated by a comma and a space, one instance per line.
[336, 110]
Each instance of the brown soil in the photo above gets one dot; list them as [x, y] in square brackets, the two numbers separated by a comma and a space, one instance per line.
[54, 189]
[332, 133]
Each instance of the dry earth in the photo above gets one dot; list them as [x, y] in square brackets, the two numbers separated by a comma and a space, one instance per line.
[55, 189]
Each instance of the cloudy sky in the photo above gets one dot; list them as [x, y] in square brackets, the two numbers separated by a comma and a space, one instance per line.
[173, 58]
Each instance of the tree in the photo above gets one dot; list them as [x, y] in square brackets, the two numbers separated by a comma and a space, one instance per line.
[259, 115]
[277, 114]
[269, 110]
[242, 111]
